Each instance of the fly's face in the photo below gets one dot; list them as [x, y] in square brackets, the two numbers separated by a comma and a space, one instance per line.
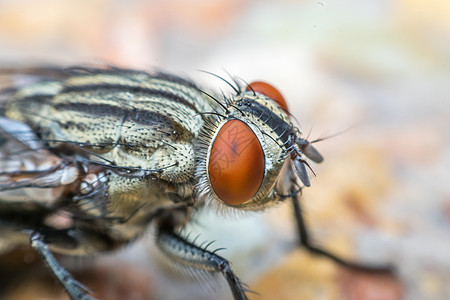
[249, 152]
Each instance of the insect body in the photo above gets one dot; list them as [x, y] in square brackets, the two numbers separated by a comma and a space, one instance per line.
[89, 157]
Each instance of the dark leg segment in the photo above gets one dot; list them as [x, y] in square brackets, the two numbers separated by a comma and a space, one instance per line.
[75, 289]
[304, 240]
[190, 255]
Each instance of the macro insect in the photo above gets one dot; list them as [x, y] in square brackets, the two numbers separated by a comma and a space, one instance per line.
[91, 156]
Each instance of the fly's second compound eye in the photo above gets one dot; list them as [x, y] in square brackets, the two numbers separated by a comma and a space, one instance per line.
[269, 91]
[236, 163]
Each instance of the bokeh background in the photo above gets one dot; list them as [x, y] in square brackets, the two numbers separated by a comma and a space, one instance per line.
[377, 72]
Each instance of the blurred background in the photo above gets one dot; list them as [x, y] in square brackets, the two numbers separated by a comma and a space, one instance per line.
[377, 72]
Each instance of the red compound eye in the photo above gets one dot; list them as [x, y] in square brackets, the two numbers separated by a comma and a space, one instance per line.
[236, 163]
[269, 91]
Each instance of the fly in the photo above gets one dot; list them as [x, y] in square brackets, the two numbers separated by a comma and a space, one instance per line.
[108, 151]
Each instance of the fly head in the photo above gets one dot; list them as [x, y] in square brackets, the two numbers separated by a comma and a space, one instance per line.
[247, 147]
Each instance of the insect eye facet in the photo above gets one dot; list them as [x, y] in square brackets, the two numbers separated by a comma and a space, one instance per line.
[269, 91]
[236, 163]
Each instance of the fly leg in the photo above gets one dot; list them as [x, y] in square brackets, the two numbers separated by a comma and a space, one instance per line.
[305, 241]
[181, 251]
[75, 289]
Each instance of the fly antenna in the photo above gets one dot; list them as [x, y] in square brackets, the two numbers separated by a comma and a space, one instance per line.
[332, 135]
